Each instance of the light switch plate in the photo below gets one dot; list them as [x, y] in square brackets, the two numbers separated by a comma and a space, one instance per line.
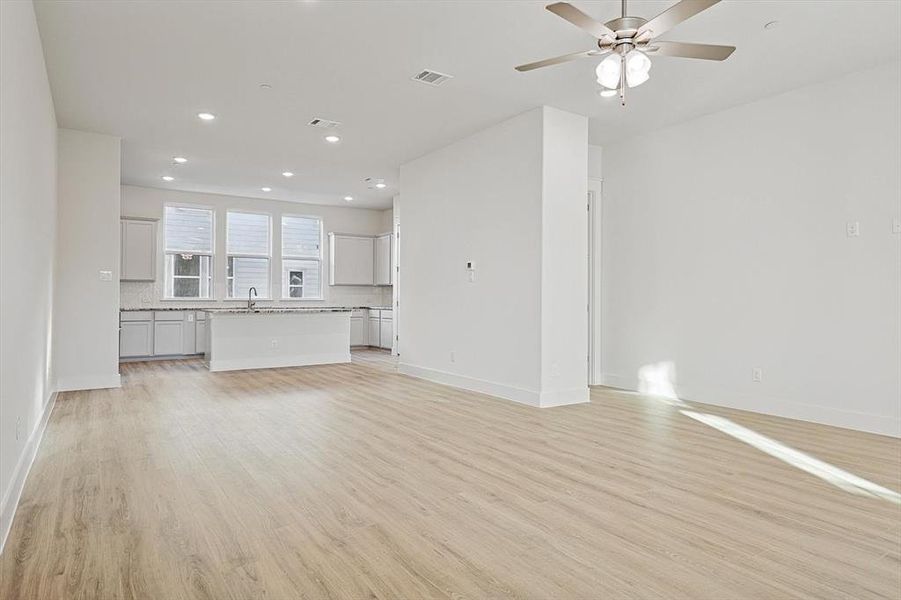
[853, 228]
[896, 225]
[106, 275]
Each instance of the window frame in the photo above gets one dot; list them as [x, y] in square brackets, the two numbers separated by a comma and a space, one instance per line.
[229, 280]
[211, 254]
[286, 286]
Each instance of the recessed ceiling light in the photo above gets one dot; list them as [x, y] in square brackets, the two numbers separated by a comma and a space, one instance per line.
[288, 174]
[205, 116]
[266, 189]
[265, 86]
[381, 185]
[771, 25]
[349, 198]
[179, 159]
[332, 139]
[607, 93]
[168, 178]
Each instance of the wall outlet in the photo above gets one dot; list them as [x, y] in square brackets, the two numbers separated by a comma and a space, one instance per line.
[757, 375]
[273, 343]
[453, 356]
[106, 275]
[853, 228]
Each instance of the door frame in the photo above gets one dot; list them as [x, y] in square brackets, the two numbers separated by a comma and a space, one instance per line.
[595, 281]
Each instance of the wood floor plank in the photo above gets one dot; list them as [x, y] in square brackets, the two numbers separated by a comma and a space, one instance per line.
[352, 481]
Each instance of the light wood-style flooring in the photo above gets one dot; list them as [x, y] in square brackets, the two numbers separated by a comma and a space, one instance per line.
[351, 481]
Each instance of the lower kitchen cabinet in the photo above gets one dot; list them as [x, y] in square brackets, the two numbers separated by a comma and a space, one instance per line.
[135, 338]
[386, 330]
[161, 333]
[168, 337]
[373, 330]
[359, 330]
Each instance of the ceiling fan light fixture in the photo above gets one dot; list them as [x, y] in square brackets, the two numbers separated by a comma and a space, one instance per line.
[609, 70]
[637, 66]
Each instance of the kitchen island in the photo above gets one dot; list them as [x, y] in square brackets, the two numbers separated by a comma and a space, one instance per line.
[263, 338]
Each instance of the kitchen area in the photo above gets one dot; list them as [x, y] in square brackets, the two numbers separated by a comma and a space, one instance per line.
[333, 291]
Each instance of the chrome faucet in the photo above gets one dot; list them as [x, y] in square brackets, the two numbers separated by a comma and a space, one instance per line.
[251, 303]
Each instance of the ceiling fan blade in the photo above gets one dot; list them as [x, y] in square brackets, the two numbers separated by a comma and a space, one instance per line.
[581, 20]
[674, 15]
[685, 50]
[559, 59]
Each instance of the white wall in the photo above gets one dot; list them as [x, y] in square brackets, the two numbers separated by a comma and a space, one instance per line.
[85, 315]
[564, 259]
[149, 202]
[27, 239]
[725, 249]
[493, 198]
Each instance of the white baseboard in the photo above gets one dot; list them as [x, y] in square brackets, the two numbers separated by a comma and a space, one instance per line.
[565, 397]
[273, 362]
[20, 473]
[472, 384]
[88, 382]
[507, 392]
[776, 406]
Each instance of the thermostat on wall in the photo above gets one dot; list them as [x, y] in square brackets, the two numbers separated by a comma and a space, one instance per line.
[470, 265]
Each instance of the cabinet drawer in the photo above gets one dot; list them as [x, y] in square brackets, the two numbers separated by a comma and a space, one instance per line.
[387, 315]
[169, 315]
[358, 314]
[136, 315]
[374, 313]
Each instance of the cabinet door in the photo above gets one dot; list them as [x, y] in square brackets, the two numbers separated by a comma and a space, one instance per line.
[386, 334]
[351, 260]
[138, 250]
[358, 331]
[168, 338]
[373, 332]
[135, 338]
[189, 334]
[200, 338]
[383, 260]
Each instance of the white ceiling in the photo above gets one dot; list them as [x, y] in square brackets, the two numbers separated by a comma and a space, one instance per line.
[142, 70]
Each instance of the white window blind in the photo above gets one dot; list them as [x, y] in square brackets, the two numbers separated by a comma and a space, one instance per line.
[188, 234]
[248, 248]
[301, 257]
[189, 230]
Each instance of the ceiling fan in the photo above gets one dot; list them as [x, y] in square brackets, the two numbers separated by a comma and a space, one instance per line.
[629, 40]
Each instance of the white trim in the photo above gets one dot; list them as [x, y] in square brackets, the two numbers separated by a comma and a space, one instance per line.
[88, 382]
[472, 384]
[271, 362]
[564, 397]
[775, 406]
[20, 473]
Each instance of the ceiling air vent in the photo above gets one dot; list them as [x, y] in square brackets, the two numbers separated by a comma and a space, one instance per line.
[323, 123]
[431, 77]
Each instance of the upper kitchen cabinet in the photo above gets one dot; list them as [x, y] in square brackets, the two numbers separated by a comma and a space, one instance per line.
[383, 269]
[138, 239]
[352, 259]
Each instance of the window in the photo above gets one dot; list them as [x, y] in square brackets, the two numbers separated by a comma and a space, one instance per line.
[248, 249]
[301, 257]
[189, 252]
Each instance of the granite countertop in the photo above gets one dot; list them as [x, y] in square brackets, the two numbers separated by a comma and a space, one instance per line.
[267, 310]
[261, 308]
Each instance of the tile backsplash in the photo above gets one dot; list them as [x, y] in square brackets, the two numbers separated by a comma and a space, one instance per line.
[148, 294]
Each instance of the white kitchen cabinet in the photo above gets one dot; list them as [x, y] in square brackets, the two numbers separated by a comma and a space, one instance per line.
[168, 333]
[386, 330]
[351, 259]
[138, 249]
[135, 338]
[383, 270]
[359, 329]
[374, 330]
[200, 333]
[188, 333]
